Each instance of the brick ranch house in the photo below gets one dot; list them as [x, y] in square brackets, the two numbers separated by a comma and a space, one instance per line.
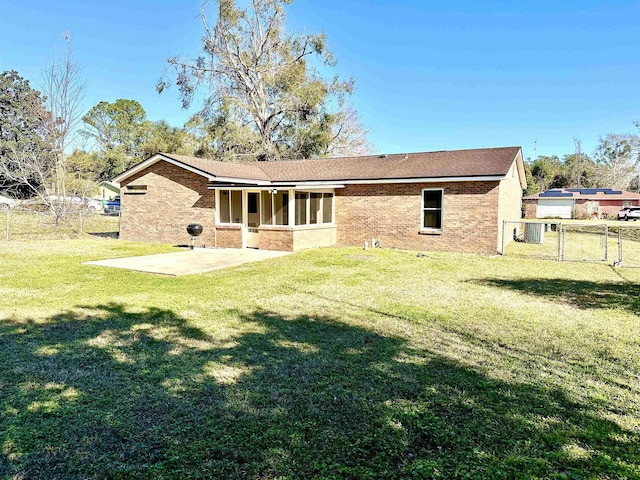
[581, 203]
[439, 201]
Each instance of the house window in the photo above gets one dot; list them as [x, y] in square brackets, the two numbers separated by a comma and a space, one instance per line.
[301, 208]
[313, 208]
[327, 207]
[140, 189]
[230, 208]
[432, 209]
[281, 208]
[267, 208]
[275, 208]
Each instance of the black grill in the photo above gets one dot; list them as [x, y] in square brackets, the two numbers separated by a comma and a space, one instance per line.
[195, 229]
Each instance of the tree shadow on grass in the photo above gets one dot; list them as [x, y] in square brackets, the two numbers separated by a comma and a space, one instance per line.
[118, 394]
[579, 293]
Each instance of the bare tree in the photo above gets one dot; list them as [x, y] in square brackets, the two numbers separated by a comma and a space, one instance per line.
[618, 158]
[349, 136]
[63, 88]
[36, 158]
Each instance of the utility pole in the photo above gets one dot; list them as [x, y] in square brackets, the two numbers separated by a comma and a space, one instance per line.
[577, 161]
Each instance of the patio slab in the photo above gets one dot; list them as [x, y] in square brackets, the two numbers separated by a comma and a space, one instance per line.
[189, 262]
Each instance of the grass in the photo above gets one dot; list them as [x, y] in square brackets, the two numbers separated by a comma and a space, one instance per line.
[29, 225]
[327, 364]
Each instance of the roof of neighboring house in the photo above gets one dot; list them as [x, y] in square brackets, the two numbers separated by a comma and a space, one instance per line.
[484, 162]
[585, 194]
[110, 185]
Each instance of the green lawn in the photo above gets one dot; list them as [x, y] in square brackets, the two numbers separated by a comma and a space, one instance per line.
[29, 225]
[328, 364]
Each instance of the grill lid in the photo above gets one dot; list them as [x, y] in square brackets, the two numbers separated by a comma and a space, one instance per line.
[194, 229]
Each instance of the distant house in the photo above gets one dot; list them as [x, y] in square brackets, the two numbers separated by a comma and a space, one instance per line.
[108, 190]
[578, 203]
[448, 201]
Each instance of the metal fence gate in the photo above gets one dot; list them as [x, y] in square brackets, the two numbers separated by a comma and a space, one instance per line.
[628, 240]
[584, 242]
[577, 242]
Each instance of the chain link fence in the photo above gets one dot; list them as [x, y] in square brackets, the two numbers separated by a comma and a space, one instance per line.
[628, 246]
[575, 242]
[24, 224]
[532, 240]
[584, 242]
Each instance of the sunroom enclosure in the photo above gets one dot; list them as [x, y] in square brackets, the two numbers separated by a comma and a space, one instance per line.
[275, 218]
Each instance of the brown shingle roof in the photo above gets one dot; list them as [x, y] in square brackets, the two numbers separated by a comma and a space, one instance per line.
[222, 169]
[454, 163]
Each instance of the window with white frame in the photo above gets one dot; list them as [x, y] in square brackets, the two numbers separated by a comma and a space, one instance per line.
[313, 208]
[230, 206]
[275, 207]
[432, 209]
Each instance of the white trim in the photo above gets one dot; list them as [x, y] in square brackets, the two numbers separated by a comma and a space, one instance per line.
[422, 209]
[292, 208]
[522, 175]
[218, 208]
[250, 181]
[212, 178]
[155, 159]
[270, 186]
[310, 185]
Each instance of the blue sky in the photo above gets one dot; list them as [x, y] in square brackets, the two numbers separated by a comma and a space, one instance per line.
[430, 75]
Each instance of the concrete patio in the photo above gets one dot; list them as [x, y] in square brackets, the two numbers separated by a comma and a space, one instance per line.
[189, 262]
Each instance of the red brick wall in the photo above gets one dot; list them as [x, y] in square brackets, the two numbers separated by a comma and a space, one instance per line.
[392, 213]
[530, 208]
[228, 237]
[174, 198]
[310, 237]
[289, 239]
[276, 238]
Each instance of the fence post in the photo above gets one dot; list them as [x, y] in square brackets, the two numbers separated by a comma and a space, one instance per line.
[560, 241]
[80, 222]
[504, 229]
[619, 262]
[606, 242]
[6, 231]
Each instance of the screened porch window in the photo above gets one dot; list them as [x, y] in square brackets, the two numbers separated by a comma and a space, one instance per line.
[275, 208]
[230, 207]
[432, 209]
[301, 208]
[313, 208]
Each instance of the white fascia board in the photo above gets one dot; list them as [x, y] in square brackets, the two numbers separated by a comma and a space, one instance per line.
[250, 181]
[283, 186]
[212, 178]
[155, 159]
[521, 170]
[309, 185]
